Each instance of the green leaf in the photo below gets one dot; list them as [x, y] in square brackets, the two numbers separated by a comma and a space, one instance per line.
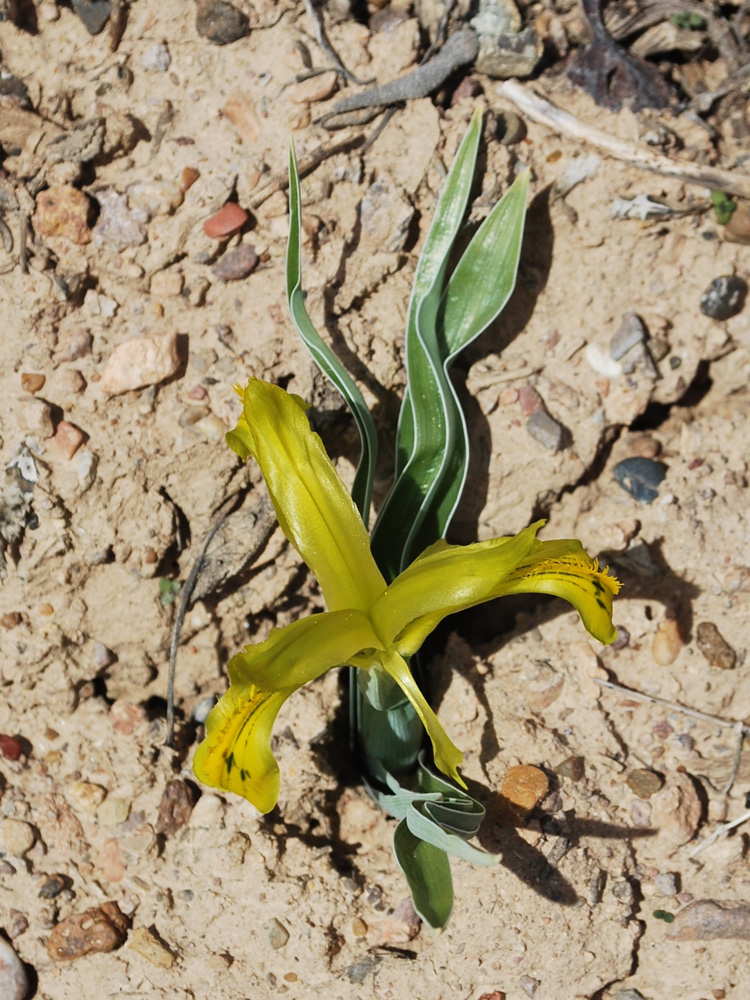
[433, 445]
[427, 871]
[422, 417]
[324, 357]
[435, 834]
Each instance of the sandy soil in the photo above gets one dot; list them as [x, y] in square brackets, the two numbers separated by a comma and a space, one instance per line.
[221, 902]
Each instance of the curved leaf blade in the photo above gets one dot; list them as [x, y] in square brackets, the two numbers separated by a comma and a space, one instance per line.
[322, 354]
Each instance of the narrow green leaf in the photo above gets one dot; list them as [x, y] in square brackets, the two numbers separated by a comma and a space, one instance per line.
[324, 357]
[436, 835]
[422, 416]
[427, 871]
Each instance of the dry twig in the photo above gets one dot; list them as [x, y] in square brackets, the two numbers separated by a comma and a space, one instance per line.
[544, 113]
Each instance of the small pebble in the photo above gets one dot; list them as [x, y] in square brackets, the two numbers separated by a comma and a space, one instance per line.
[125, 716]
[100, 928]
[18, 924]
[522, 789]
[630, 332]
[202, 708]
[16, 837]
[10, 620]
[141, 361]
[243, 115]
[714, 646]
[571, 767]
[227, 221]
[236, 264]
[10, 747]
[32, 382]
[52, 887]
[94, 14]
[623, 891]
[667, 883]
[724, 297]
[113, 810]
[85, 795]
[276, 932]
[154, 197]
[315, 88]
[188, 177]
[220, 22]
[68, 439]
[359, 927]
[666, 643]
[167, 284]
[175, 807]
[36, 418]
[529, 400]
[237, 847]
[147, 944]
[212, 428]
[191, 415]
[628, 995]
[109, 861]
[85, 464]
[710, 919]
[546, 430]
[156, 58]
[73, 344]
[529, 985]
[644, 782]
[640, 477]
[118, 227]
[676, 810]
[63, 211]
[14, 982]
[70, 380]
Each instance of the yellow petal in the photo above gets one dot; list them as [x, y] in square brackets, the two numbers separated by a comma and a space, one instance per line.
[236, 752]
[563, 568]
[447, 755]
[443, 580]
[313, 506]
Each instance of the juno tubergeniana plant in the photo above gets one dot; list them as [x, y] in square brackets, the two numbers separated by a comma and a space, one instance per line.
[387, 591]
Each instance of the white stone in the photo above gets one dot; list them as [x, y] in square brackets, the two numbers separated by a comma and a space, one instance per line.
[14, 983]
[16, 837]
[139, 362]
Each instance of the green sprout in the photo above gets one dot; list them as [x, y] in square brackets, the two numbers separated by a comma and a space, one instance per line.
[688, 21]
[723, 206]
[386, 592]
[168, 591]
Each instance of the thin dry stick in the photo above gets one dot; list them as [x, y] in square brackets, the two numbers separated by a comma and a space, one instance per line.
[322, 39]
[719, 832]
[187, 592]
[544, 113]
[675, 706]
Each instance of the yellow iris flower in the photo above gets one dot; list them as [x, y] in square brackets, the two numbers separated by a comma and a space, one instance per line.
[369, 624]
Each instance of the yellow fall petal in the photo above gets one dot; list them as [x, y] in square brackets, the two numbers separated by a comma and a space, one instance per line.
[313, 506]
[563, 568]
[236, 752]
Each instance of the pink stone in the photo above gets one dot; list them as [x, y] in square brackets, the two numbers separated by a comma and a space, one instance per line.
[226, 222]
[68, 438]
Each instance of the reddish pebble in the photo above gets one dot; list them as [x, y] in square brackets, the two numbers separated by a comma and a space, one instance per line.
[529, 400]
[10, 747]
[197, 392]
[125, 716]
[188, 177]
[226, 222]
[68, 438]
[236, 263]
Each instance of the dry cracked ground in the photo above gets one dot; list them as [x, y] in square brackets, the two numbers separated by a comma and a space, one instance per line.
[122, 339]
